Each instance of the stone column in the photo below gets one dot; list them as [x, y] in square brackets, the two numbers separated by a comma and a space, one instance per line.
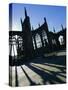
[42, 40]
[35, 43]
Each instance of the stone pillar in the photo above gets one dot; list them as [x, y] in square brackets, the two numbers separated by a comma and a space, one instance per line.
[42, 40]
[35, 43]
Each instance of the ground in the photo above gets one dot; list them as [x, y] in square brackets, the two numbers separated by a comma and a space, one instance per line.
[50, 69]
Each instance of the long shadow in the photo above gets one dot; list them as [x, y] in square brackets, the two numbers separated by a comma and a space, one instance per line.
[61, 68]
[52, 72]
[59, 73]
[60, 60]
[31, 82]
[16, 76]
[45, 76]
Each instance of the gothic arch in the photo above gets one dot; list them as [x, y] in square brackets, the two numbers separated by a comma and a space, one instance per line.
[15, 44]
[34, 42]
[61, 39]
[44, 36]
[38, 40]
[12, 46]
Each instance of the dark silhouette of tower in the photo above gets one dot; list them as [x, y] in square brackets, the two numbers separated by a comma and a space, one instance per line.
[27, 36]
[48, 34]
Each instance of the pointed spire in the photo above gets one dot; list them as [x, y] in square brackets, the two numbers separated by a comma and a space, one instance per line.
[45, 19]
[25, 12]
[32, 28]
[53, 29]
[39, 24]
[62, 26]
[21, 20]
[45, 22]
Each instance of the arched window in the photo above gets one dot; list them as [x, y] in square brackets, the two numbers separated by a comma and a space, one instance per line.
[33, 43]
[15, 43]
[12, 46]
[44, 35]
[20, 42]
[38, 41]
[61, 40]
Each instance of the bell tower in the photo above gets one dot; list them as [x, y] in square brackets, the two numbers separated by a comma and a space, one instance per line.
[27, 36]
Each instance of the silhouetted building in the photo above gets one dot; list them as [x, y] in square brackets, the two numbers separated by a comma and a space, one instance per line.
[38, 41]
[27, 36]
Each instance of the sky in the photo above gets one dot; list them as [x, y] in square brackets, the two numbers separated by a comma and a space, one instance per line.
[55, 16]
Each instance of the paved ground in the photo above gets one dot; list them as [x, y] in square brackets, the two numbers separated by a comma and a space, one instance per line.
[42, 70]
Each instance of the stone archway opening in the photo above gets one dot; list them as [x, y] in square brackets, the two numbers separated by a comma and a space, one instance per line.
[61, 40]
[38, 41]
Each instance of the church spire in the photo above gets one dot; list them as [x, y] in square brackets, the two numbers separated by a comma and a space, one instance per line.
[21, 20]
[53, 29]
[62, 26]
[25, 12]
[39, 24]
[45, 19]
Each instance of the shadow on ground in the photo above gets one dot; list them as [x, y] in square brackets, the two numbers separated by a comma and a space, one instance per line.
[47, 75]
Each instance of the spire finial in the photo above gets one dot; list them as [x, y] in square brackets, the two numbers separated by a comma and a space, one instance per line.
[25, 12]
[32, 28]
[21, 20]
[62, 26]
[39, 24]
[45, 19]
[54, 29]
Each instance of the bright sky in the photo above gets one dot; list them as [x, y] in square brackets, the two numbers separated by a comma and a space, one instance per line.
[55, 16]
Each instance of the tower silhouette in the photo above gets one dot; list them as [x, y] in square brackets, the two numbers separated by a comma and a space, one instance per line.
[25, 12]
[27, 36]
